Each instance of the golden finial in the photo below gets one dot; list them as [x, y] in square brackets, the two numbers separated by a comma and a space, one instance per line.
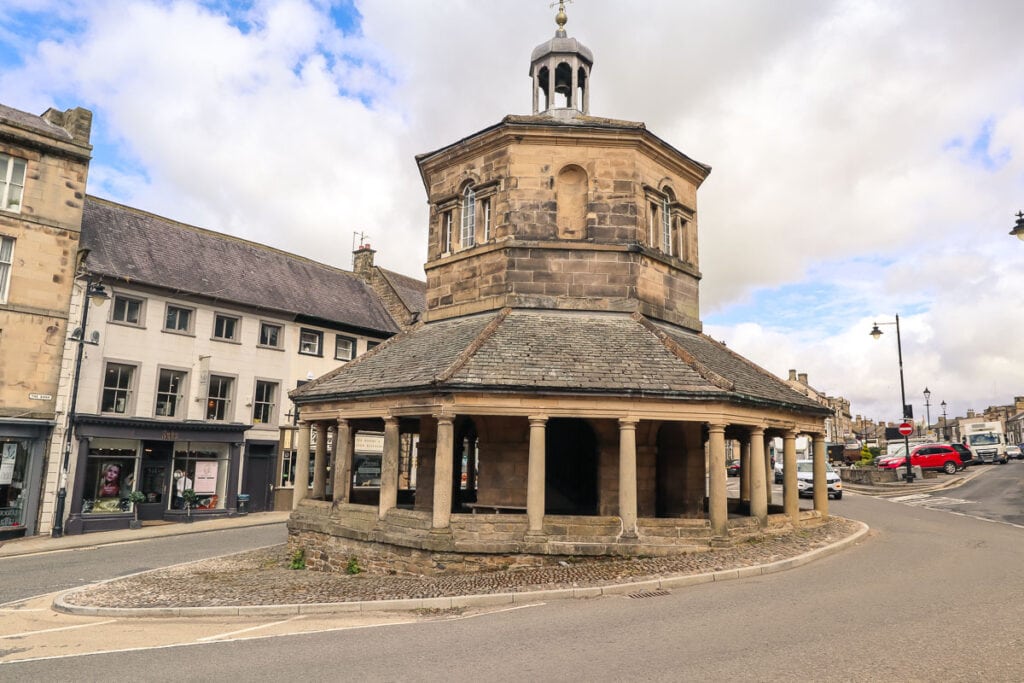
[561, 18]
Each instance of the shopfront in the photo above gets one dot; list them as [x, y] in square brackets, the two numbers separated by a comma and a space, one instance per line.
[185, 470]
[22, 447]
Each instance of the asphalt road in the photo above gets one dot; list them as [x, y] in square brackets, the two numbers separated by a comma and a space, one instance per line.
[928, 595]
[23, 577]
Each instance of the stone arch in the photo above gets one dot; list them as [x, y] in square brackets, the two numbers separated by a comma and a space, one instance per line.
[571, 467]
[571, 194]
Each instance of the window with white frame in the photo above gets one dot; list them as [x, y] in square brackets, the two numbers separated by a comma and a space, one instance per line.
[446, 232]
[117, 388]
[12, 182]
[485, 206]
[218, 400]
[666, 227]
[126, 310]
[6, 261]
[271, 335]
[264, 402]
[344, 347]
[178, 319]
[468, 235]
[225, 327]
[170, 388]
[311, 342]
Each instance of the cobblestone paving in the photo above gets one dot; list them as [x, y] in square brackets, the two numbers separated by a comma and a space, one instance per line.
[262, 577]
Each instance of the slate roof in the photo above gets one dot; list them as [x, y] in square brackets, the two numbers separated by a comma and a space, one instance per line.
[411, 291]
[576, 352]
[139, 247]
[32, 122]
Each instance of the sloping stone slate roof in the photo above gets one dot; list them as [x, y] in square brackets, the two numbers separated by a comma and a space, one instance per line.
[139, 247]
[609, 354]
[32, 122]
[413, 292]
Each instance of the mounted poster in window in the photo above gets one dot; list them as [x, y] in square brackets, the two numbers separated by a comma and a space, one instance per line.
[206, 477]
[7, 461]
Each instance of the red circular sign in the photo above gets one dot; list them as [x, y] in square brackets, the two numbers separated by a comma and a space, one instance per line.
[906, 429]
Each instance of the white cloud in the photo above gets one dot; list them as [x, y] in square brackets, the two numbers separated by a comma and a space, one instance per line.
[846, 137]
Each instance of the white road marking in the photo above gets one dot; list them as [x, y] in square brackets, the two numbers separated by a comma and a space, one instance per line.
[246, 630]
[53, 630]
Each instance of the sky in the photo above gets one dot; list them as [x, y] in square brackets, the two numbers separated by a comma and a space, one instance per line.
[867, 155]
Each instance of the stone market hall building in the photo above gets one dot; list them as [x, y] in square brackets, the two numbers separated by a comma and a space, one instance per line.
[564, 398]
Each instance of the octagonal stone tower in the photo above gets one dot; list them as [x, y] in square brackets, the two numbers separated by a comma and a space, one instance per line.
[563, 210]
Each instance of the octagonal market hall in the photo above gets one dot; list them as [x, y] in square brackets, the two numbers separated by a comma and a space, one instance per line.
[557, 396]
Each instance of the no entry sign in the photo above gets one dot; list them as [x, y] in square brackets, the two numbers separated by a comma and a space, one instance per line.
[906, 429]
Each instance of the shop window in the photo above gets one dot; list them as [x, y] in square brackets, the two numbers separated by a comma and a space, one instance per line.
[12, 182]
[264, 402]
[225, 327]
[6, 260]
[109, 477]
[270, 335]
[126, 310]
[117, 388]
[344, 347]
[14, 488]
[202, 467]
[178, 319]
[170, 391]
[218, 400]
[311, 342]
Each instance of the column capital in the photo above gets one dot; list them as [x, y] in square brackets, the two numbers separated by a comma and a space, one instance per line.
[538, 420]
[303, 424]
[717, 427]
[757, 431]
[342, 422]
[390, 420]
[628, 422]
[444, 418]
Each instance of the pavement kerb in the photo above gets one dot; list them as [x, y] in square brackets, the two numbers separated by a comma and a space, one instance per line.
[483, 600]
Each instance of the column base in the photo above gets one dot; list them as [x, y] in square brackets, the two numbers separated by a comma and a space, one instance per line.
[535, 537]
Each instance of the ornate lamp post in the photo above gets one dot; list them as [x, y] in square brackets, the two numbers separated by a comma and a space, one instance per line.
[94, 293]
[876, 333]
[945, 432]
[927, 413]
[1018, 229]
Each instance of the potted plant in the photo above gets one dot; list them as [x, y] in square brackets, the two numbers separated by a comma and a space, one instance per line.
[190, 498]
[136, 497]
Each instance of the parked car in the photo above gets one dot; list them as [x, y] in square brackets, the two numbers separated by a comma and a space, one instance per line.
[930, 456]
[1014, 452]
[966, 457]
[732, 468]
[805, 480]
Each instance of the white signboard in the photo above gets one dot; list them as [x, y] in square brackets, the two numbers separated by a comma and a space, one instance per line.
[7, 459]
[369, 443]
[206, 478]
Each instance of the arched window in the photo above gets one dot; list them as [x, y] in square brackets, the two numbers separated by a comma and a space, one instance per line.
[666, 226]
[468, 217]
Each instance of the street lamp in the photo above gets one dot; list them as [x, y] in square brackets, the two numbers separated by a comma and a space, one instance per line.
[944, 430]
[95, 293]
[1018, 229]
[927, 413]
[876, 333]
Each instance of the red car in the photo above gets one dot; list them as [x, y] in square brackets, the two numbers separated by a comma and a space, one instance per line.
[929, 456]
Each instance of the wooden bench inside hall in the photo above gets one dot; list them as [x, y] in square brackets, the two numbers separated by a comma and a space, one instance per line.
[496, 509]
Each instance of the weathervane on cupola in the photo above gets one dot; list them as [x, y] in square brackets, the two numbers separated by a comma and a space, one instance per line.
[560, 69]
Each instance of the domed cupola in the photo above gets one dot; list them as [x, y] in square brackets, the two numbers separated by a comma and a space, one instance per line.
[560, 69]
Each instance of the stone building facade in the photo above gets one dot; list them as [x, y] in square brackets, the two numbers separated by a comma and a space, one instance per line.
[44, 164]
[562, 395]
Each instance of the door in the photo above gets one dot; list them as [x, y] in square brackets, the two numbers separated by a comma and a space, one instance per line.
[258, 480]
[156, 479]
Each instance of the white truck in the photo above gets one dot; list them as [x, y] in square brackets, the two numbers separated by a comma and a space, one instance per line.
[987, 442]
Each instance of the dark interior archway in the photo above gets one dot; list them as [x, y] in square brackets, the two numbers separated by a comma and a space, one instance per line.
[570, 472]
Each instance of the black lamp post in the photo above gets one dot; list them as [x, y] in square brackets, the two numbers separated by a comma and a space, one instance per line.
[927, 413]
[945, 432]
[876, 333]
[1018, 229]
[95, 293]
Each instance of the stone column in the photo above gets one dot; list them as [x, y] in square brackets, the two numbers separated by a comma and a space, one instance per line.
[342, 461]
[718, 503]
[758, 492]
[535, 477]
[745, 465]
[320, 461]
[790, 500]
[301, 464]
[627, 476]
[389, 468]
[820, 482]
[444, 456]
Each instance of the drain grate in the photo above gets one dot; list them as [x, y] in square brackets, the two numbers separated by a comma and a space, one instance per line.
[648, 594]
